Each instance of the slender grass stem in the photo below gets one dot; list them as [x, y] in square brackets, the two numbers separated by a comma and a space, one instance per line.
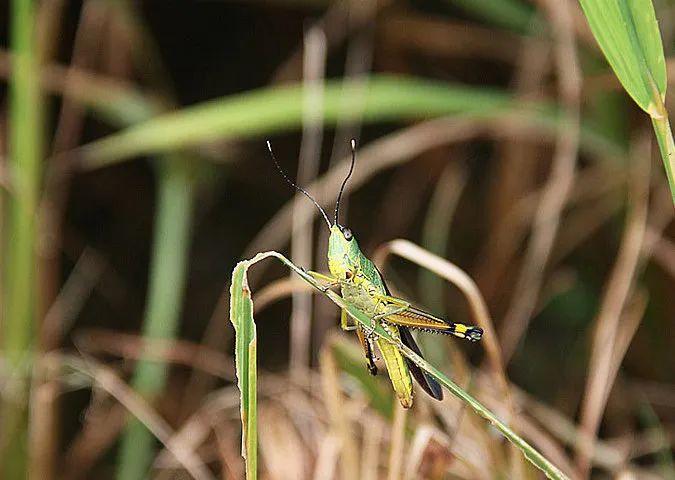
[664, 136]
[167, 280]
[19, 281]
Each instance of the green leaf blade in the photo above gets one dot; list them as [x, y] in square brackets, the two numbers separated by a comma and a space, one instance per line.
[277, 109]
[241, 316]
[649, 36]
[628, 34]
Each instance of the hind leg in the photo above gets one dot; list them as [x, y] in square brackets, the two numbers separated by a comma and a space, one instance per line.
[367, 345]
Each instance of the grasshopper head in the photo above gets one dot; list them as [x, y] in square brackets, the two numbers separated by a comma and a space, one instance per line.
[343, 252]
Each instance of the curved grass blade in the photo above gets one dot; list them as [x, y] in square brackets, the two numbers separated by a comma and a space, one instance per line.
[536, 458]
[277, 109]
[241, 316]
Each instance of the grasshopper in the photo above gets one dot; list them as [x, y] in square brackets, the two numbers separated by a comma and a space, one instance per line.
[362, 285]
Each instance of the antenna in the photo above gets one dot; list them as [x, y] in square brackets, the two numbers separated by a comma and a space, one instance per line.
[344, 182]
[292, 184]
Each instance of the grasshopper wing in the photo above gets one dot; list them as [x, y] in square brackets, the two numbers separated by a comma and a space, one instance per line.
[426, 381]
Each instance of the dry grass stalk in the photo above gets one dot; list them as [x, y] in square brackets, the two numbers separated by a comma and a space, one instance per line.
[181, 352]
[664, 251]
[107, 379]
[195, 430]
[340, 423]
[314, 65]
[559, 183]
[397, 443]
[619, 286]
[389, 151]
[328, 457]
[478, 308]
[513, 177]
[418, 445]
[373, 433]
[283, 452]
[278, 290]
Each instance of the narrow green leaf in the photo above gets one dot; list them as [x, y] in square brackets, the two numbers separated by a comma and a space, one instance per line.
[171, 240]
[536, 458]
[19, 228]
[241, 315]
[628, 34]
[277, 109]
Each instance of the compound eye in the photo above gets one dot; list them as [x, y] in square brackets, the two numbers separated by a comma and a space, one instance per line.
[348, 274]
[347, 234]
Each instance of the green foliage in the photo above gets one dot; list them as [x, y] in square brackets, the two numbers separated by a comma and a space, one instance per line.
[628, 34]
[162, 314]
[626, 30]
[241, 316]
[277, 109]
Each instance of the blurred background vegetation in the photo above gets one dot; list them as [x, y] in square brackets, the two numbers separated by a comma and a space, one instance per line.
[494, 134]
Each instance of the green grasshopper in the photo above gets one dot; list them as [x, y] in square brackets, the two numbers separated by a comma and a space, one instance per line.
[362, 285]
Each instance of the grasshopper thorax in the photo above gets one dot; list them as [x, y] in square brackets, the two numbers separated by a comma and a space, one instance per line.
[343, 253]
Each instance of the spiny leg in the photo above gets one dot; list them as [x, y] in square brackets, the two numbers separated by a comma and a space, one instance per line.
[367, 345]
[364, 339]
[408, 316]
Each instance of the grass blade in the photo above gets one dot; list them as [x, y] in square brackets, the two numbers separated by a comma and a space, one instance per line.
[628, 34]
[241, 316]
[528, 451]
[167, 281]
[277, 109]
[20, 233]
